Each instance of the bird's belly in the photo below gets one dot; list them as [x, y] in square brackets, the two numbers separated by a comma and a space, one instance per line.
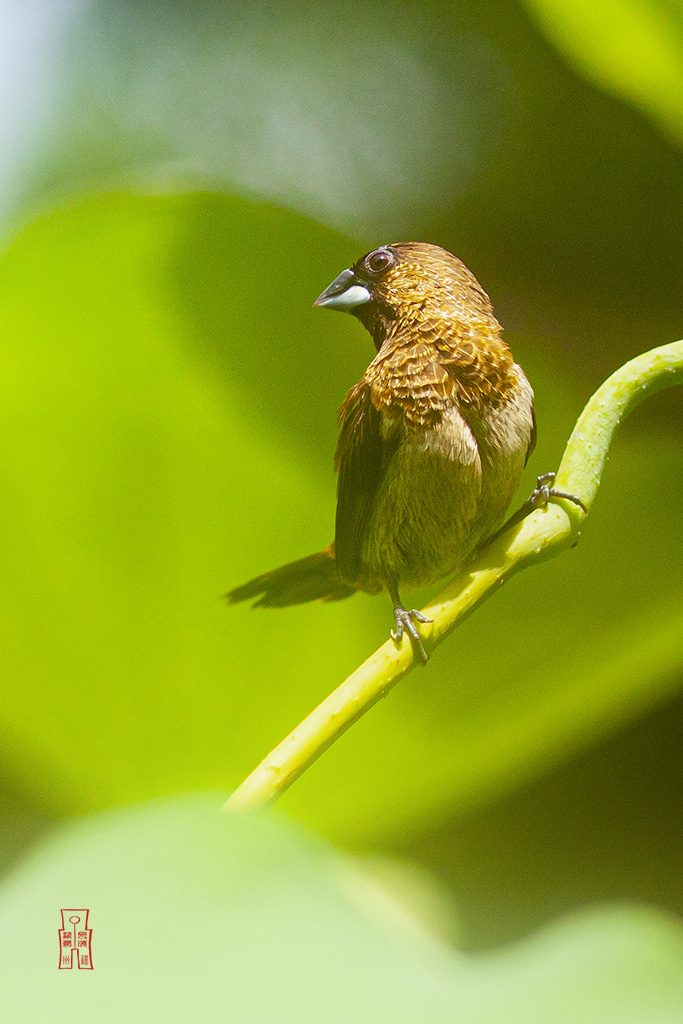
[431, 513]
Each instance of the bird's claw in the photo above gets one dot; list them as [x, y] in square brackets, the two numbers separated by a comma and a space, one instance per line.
[406, 620]
[544, 491]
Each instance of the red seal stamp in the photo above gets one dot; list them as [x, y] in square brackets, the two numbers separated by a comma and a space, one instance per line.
[74, 940]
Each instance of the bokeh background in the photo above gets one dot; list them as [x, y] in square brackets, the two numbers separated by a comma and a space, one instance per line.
[178, 182]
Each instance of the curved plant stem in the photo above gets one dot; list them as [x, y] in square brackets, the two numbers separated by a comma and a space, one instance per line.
[541, 535]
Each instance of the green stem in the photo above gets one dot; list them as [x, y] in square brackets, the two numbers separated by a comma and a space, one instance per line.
[541, 535]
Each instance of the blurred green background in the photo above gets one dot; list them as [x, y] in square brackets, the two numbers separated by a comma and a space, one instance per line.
[179, 181]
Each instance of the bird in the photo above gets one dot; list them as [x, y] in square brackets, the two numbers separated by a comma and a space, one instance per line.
[432, 441]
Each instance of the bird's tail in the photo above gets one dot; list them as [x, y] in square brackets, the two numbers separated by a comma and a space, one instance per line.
[310, 579]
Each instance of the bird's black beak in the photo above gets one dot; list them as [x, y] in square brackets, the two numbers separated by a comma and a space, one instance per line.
[345, 293]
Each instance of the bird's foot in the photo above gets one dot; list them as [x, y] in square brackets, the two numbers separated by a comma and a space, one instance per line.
[544, 491]
[406, 620]
[539, 498]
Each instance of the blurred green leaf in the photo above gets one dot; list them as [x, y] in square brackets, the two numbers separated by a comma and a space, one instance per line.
[198, 916]
[631, 48]
[167, 408]
[133, 476]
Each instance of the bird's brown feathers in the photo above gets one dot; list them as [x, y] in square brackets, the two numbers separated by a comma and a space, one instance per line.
[433, 438]
[314, 578]
[440, 352]
[439, 341]
[361, 460]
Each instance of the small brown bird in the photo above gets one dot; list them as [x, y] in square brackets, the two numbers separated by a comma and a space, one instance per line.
[433, 438]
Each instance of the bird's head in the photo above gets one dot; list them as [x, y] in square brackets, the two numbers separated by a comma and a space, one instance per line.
[402, 285]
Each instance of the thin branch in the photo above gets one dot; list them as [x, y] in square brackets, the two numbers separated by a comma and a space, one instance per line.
[541, 535]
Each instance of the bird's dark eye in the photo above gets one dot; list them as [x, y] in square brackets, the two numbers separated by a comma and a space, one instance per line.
[378, 261]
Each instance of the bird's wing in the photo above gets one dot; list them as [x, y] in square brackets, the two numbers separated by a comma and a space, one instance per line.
[361, 459]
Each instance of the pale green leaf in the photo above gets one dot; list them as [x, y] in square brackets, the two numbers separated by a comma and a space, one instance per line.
[197, 916]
